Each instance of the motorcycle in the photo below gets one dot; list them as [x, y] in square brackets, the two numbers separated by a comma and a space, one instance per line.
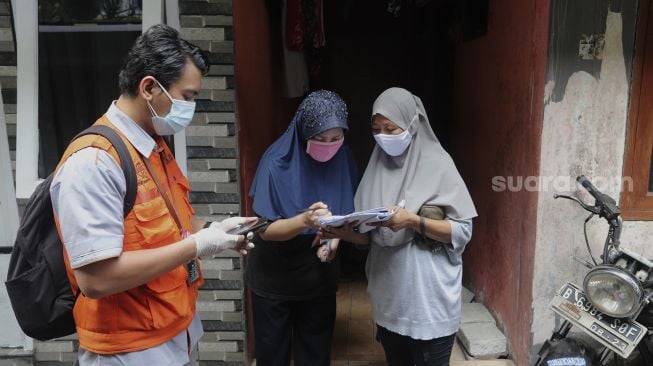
[611, 313]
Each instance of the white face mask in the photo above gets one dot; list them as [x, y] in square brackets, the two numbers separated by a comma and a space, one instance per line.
[179, 117]
[394, 145]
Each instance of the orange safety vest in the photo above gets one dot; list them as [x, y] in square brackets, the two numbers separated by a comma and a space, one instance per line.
[157, 311]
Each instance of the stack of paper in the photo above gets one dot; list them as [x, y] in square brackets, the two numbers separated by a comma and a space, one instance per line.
[361, 218]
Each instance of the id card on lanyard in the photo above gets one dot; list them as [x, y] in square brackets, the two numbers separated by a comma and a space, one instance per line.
[192, 267]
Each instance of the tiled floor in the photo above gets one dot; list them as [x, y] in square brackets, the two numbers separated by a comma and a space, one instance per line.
[353, 341]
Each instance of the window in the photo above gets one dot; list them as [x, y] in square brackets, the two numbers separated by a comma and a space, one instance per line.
[68, 63]
[637, 201]
[80, 50]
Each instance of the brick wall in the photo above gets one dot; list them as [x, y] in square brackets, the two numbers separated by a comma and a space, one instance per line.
[212, 171]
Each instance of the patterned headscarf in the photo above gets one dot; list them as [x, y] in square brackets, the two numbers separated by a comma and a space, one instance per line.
[288, 179]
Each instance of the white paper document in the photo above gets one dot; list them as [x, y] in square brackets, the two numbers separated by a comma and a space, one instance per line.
[362, 218]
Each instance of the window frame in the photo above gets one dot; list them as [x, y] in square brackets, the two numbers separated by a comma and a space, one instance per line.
[8, 205]
[27, 133]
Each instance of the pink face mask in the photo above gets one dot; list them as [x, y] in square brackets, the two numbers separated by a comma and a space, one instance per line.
[323, 151]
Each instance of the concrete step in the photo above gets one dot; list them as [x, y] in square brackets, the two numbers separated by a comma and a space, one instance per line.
[460, 358]
[483, 340]
[479, 335]
[475, 312]
[467, 296]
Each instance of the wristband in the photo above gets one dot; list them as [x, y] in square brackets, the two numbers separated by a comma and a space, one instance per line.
[421, 226]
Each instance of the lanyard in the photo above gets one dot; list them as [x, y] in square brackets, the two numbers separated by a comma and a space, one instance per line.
[192, 267]
[171, 207]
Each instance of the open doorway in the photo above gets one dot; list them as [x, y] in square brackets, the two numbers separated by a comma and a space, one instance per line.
[370, 45]
[369, 48]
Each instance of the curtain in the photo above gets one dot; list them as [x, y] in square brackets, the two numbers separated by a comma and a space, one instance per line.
[78, 79]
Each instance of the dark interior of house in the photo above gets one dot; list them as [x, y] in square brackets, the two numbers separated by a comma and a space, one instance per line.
[371, 46]
[369, 49]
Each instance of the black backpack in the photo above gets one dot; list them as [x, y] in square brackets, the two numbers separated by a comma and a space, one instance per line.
[37, 283]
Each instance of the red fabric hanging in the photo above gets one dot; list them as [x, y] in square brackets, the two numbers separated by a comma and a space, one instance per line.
[304, 24]
[294, 25]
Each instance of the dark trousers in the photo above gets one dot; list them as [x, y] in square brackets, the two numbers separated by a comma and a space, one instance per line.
[402, 350]
[304, 325]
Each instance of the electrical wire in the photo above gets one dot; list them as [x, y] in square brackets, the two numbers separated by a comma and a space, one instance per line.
[587, 242]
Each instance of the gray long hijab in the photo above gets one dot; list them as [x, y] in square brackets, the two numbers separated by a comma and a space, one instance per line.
[424, 173]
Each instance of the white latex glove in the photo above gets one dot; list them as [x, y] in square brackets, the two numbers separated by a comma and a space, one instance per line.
[211, 241]
[232, 223]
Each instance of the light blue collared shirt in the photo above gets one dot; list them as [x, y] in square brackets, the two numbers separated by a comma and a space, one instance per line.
[87, 196]
[88, 193]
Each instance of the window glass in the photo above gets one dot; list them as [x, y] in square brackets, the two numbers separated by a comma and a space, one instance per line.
[82, 44]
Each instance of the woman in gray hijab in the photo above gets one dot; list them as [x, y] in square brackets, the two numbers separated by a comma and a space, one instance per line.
[414, 267]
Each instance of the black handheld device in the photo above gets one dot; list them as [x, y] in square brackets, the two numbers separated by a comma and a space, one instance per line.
[250, 227]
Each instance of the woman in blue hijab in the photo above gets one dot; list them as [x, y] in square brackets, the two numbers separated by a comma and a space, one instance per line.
[306, 173]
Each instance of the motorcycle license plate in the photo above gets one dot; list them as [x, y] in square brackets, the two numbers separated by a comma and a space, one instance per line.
[619, 335]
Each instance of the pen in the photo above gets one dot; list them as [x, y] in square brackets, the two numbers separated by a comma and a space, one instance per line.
[401, 204]
[301, 210]
[305, 210]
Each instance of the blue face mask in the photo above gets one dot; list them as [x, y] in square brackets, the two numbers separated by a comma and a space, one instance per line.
[179, 117]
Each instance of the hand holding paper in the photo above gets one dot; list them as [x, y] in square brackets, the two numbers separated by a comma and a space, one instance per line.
[362, 218]
[401, 219]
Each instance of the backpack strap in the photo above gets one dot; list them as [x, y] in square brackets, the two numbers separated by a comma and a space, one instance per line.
[126, 161]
